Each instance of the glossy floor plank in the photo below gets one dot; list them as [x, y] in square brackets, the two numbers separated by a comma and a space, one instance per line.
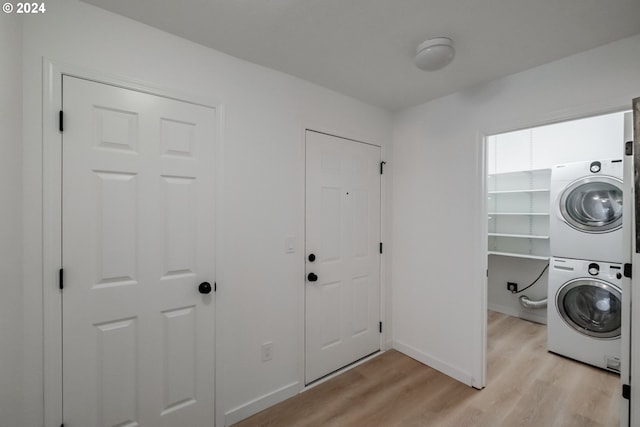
[526, 386]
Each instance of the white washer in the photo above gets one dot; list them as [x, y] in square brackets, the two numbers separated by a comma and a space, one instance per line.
[584, 314]
[586, 210]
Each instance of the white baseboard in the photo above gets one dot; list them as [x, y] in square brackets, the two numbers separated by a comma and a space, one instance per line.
[435, 363]
[263, 402]
[532, 317]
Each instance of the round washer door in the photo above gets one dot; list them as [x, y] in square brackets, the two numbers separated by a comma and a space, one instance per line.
[593, 204]
[591, 307]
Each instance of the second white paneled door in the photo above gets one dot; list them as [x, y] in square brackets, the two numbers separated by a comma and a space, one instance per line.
[342, 298]
[138, 247]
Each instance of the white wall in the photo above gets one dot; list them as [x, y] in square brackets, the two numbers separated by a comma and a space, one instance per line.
[261, 198]
[11, 224]
[523, 272]
[439, 241]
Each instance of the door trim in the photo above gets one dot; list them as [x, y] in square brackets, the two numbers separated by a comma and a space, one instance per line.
[385, 258]
[52, 73]
[634, 380]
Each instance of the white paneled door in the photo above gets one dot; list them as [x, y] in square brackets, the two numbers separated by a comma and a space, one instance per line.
[137, 249]
[342, 253]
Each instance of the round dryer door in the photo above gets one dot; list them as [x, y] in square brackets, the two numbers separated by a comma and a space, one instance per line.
[593, 204]
[591, 307]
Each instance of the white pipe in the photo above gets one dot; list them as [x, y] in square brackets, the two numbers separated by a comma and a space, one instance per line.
[528, 303]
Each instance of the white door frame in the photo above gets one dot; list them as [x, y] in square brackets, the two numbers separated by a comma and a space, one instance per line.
[634, 403]
[480, 369]
[52, 73]
[385, 314]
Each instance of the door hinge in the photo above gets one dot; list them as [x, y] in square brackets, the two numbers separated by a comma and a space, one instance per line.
[627, 270]
[61, 278]
[382, 167]
[380, 325]
[60, 121]
[628, 148]
[380, 247]
[487, 272]
[215, 287]
[626, 391]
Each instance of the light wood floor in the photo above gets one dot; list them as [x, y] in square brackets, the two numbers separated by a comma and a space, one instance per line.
[527, 386]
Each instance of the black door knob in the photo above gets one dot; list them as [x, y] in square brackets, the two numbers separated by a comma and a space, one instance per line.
[204, 288]
[312, 257]
[312, 277]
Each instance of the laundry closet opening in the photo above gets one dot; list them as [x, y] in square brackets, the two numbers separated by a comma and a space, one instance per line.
[554, 219]
[520, 209]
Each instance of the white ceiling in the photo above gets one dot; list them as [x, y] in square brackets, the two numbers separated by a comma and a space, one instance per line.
[365, 48]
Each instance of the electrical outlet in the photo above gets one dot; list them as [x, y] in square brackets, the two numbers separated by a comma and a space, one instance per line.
[512, 287]
[267, 351]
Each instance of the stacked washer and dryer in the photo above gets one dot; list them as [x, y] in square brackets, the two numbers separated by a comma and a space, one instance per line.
[585, 274]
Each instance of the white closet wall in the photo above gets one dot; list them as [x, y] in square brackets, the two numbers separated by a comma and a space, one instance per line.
[592, 138]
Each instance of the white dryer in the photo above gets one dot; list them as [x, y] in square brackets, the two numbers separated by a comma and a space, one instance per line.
[586, 210]
[584, 314]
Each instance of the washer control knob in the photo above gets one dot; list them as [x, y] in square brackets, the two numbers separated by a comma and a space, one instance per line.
[595, 167]
[594, 269]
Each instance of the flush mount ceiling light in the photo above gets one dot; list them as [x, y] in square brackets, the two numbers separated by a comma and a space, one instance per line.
[434, 54]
